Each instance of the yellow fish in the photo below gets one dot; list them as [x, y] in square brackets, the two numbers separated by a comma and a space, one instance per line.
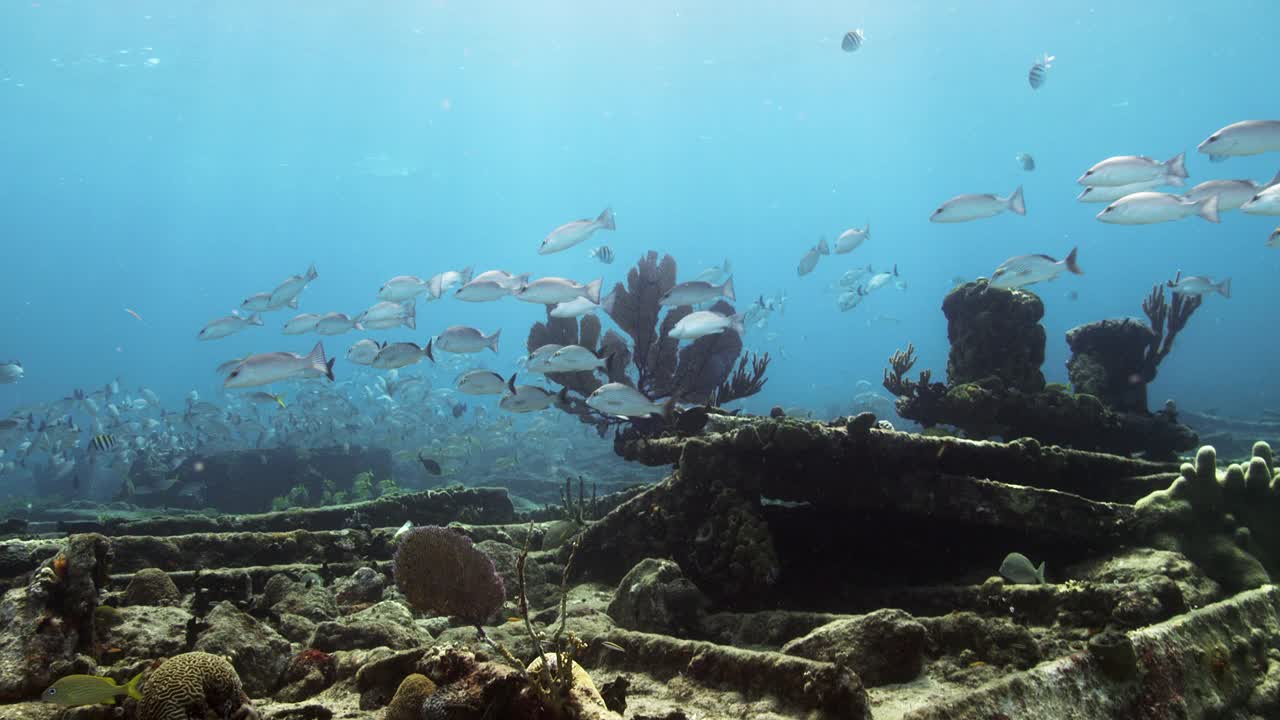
[89, 690]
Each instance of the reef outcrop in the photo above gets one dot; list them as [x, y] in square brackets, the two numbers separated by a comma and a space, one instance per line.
[995, 387]
[784, 568]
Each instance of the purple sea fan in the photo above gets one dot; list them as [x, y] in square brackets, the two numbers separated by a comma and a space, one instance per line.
[441, 571]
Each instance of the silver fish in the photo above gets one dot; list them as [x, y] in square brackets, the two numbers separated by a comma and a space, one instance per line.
[705, 322]
[1018, 569]
[11, 372]
[572, 233]
[1248, 137]
[363, 352]
[1266, 202]
[301, 324]
[286, 293]
[229, 325]
[1130, 169]
[402, 287]
[618, 399]
[1145, 208]
[398, 355]
[1110, 194]
[1025, 161]
[386, 315]
[1231, 193]
[962, 208]
[336, 323]
[267, 368]
[1199, 285]
[1274, 240]
[554, 290]
[1026, 270]
[852, 238]
[481, 382]
[810, 259]
[696, 292]
[440, 282]
[462, 339]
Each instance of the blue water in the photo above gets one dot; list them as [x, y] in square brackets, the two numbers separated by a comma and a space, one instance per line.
[714, 130]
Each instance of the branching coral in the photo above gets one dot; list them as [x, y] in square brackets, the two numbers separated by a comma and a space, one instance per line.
[916, 398]
[701, 372]
[1167, 320]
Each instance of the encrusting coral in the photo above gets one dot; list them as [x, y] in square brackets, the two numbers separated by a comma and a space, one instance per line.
[1224, 520]
[191, 685]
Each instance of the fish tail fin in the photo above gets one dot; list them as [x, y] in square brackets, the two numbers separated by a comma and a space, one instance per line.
[318, 362]
[727, 268]
[727, 289]
[608, 300]
[1040, 573]
[1209, 209]
[131, 689]
[605, 221]
[736, 322]
[466, 273]
[311, 273]
[593, 290]
[293, 303]
[411, 315]
[1175, 181]
[823, 247]
[254, 319]
[1016, 203]
[867, 230]
[427, 352]
[1072, 266]
[1177, 165]
[895, 269]
[434, 287]
[562, 399]
[1275, 180]
[511, 383]
[492, 340]
[280, 398]
[1224, 288]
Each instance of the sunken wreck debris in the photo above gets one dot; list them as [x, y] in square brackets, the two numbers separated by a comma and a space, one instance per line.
[1115, 360]
[710, 370]
[247, 481]
[995, 387]
[783, 569]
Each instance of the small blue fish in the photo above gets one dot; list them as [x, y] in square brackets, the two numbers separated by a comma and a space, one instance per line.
[852, 40]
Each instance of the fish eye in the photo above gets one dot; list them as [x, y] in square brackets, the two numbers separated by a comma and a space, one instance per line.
[235, 373]
[1087, 173]
[1214, 138]
[1109, 208]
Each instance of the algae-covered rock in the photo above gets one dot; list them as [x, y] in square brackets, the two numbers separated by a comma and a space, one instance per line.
[151, 586]
[147, 631]
[306, 598]
[387, 624]
[995, 333]
[258, 653]
[655, 596]
[1108, 359]
[359, 589]
[886, 646]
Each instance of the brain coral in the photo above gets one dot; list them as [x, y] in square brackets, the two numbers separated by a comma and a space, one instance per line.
[189, 685]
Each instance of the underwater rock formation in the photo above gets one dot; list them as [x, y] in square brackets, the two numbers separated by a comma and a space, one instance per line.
[709, 369]
[994, 393]
[1115, 360]
[994, 333]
